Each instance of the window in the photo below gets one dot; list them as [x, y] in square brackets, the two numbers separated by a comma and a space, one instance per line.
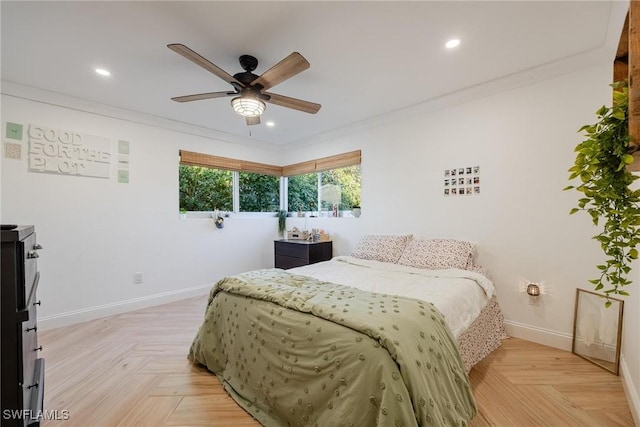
[340, 186]
[259, 193]
[317, 185]
[211, 182]
[335, 186]
[302, 192]
[205, 189]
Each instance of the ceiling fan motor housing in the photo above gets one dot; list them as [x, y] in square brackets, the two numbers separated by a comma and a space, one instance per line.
[248, 62]
[250, 99]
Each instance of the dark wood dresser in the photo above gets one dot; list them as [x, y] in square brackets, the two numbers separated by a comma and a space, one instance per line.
[296, 253]
[22, 373]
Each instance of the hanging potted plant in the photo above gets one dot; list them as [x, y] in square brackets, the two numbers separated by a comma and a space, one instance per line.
[282, 222]
[601, 166]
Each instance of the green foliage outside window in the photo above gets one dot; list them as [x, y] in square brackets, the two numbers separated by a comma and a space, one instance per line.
[348, 179]
[303, 189]
[205, 189]
[259, 193]
[303, 192]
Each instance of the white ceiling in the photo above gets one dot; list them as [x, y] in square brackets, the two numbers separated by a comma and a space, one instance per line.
[367, 58]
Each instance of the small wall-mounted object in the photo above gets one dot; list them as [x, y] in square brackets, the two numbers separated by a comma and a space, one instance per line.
[218, 219]
[463, 181]
[533, 290]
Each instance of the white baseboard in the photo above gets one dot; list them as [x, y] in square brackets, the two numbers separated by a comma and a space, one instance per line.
[91, 313]
[542, 336]
[631, 390]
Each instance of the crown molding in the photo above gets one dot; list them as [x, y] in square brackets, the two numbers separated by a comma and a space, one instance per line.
[42, 96]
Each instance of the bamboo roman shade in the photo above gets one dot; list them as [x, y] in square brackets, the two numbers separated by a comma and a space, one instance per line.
[351, 158]
[207, 160]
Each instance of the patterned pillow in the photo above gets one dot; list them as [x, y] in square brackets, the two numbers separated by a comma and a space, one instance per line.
[385, 248]
[437, 254]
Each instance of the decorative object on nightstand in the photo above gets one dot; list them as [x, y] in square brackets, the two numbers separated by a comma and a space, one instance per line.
[297, 234]
[296, 253]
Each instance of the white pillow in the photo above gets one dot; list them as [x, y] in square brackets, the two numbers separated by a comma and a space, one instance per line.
[437, 254]
[385, 248]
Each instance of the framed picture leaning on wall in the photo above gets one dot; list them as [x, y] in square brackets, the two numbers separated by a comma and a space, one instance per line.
[597, 330]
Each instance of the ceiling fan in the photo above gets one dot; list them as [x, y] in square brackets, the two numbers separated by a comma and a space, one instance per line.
[249, 89]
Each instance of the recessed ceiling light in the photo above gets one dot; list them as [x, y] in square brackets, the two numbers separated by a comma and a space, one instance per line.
[270, 124]
[452, 43]
[103, 72]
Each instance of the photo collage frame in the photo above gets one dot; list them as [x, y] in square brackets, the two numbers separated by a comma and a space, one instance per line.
[463, 181]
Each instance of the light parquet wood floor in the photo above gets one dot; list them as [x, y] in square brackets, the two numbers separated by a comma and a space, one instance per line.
[131, 370]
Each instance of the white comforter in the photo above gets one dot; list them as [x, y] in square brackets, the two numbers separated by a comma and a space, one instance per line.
[460, 295]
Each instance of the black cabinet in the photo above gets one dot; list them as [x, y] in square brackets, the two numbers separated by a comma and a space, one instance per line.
[22, 371]
[296, 253]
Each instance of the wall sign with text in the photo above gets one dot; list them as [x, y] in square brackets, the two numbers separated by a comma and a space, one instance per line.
[68, 153]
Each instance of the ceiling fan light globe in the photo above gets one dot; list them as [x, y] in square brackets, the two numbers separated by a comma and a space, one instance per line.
[248, 107]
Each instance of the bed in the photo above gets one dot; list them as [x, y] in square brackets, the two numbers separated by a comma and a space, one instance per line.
[385, 336]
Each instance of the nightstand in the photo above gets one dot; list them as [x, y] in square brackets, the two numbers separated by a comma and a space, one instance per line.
[296, 253]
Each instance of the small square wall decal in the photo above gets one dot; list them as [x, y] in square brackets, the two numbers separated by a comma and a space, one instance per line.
[123, 176]
[12, 151]
[123, 147]
[14, 131]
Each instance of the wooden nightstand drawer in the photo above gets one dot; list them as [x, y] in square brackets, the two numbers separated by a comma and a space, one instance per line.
[296, 253]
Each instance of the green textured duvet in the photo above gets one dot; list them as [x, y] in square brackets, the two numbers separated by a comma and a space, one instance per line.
[292, 350]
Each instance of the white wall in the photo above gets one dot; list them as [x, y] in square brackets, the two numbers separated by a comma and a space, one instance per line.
[630, 359]
[97, 233]
[523, 140]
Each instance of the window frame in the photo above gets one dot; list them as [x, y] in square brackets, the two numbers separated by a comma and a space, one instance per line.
[236, 166]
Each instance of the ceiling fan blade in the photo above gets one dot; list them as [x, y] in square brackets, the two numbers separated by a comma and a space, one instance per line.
[296, 104]
[287, 68]
[204, 63]
[253, 120]
[200, 96]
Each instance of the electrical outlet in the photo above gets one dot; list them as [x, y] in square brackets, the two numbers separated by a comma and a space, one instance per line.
[137, 278]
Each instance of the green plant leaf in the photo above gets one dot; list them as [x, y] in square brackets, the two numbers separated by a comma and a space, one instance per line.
[601, 165]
